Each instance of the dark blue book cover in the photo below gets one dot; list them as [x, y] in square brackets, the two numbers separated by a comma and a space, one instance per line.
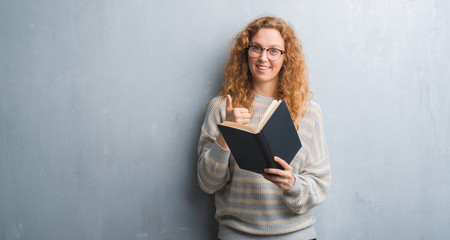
[255, 151]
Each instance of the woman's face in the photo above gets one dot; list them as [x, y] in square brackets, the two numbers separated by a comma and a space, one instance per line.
[261, 68]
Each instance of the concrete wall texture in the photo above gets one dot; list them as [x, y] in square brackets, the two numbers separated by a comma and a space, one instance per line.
[101, 105]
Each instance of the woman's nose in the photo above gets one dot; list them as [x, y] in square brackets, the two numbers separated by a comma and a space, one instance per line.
[263, 56]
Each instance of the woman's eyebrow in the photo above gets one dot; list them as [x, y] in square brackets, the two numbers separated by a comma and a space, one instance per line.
[260, 45]
[255, 43]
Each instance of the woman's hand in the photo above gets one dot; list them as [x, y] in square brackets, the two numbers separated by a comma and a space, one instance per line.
[239, 115]
[284, 179]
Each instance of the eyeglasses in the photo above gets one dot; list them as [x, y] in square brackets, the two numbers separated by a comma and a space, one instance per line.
[273, 54]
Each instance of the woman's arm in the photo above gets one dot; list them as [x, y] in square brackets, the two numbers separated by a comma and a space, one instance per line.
[212, 167]
[308, 186]
[313, 180]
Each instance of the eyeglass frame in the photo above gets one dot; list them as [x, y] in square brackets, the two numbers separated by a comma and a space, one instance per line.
[266, 49]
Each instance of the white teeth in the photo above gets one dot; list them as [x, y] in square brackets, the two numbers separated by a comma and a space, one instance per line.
[262, 68]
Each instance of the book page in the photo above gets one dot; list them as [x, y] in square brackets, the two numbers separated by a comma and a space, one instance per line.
[272, 107]
[238, 126]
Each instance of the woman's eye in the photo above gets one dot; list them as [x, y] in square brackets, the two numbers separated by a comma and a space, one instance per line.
[257, 49]
[273, 51]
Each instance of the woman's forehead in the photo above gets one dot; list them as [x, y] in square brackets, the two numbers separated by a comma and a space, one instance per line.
[268, 37]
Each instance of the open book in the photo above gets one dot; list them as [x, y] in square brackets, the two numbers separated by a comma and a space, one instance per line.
[254, 149]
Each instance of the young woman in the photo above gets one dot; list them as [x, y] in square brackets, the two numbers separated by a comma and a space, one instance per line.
[266, 63]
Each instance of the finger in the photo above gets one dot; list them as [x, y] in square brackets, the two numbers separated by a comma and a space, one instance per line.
[241, 110]
[229, 103]
[242, 117]
[283, 163]
[246, 115]
[274, 171]
[243, 121]
[272, 177]
[279, 181]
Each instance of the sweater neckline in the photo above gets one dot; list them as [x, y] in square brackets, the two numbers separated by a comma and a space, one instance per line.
[263, 99]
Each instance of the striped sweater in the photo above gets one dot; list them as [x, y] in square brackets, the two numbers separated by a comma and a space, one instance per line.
[247, 202]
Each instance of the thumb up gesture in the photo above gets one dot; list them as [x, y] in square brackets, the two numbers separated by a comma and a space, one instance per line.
[239, 115]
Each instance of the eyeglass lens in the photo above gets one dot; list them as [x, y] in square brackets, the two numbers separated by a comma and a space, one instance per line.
[272, 53]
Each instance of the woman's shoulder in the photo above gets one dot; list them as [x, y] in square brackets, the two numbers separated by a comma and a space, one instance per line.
[215, 106]
[215, 103]
[313, 113]
[314, 108]
[217, 100]
[310, 120]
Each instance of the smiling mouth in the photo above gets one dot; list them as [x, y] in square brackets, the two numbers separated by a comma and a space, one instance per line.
[262, 67]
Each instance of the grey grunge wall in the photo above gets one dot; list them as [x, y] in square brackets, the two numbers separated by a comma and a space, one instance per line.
[101, 105]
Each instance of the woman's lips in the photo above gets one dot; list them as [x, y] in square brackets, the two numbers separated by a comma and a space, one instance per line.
[262, 68]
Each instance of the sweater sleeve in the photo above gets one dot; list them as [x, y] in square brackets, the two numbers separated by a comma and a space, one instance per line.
[312, 182]
[212, 166]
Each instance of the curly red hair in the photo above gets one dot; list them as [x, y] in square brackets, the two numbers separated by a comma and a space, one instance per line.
[293, 84]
